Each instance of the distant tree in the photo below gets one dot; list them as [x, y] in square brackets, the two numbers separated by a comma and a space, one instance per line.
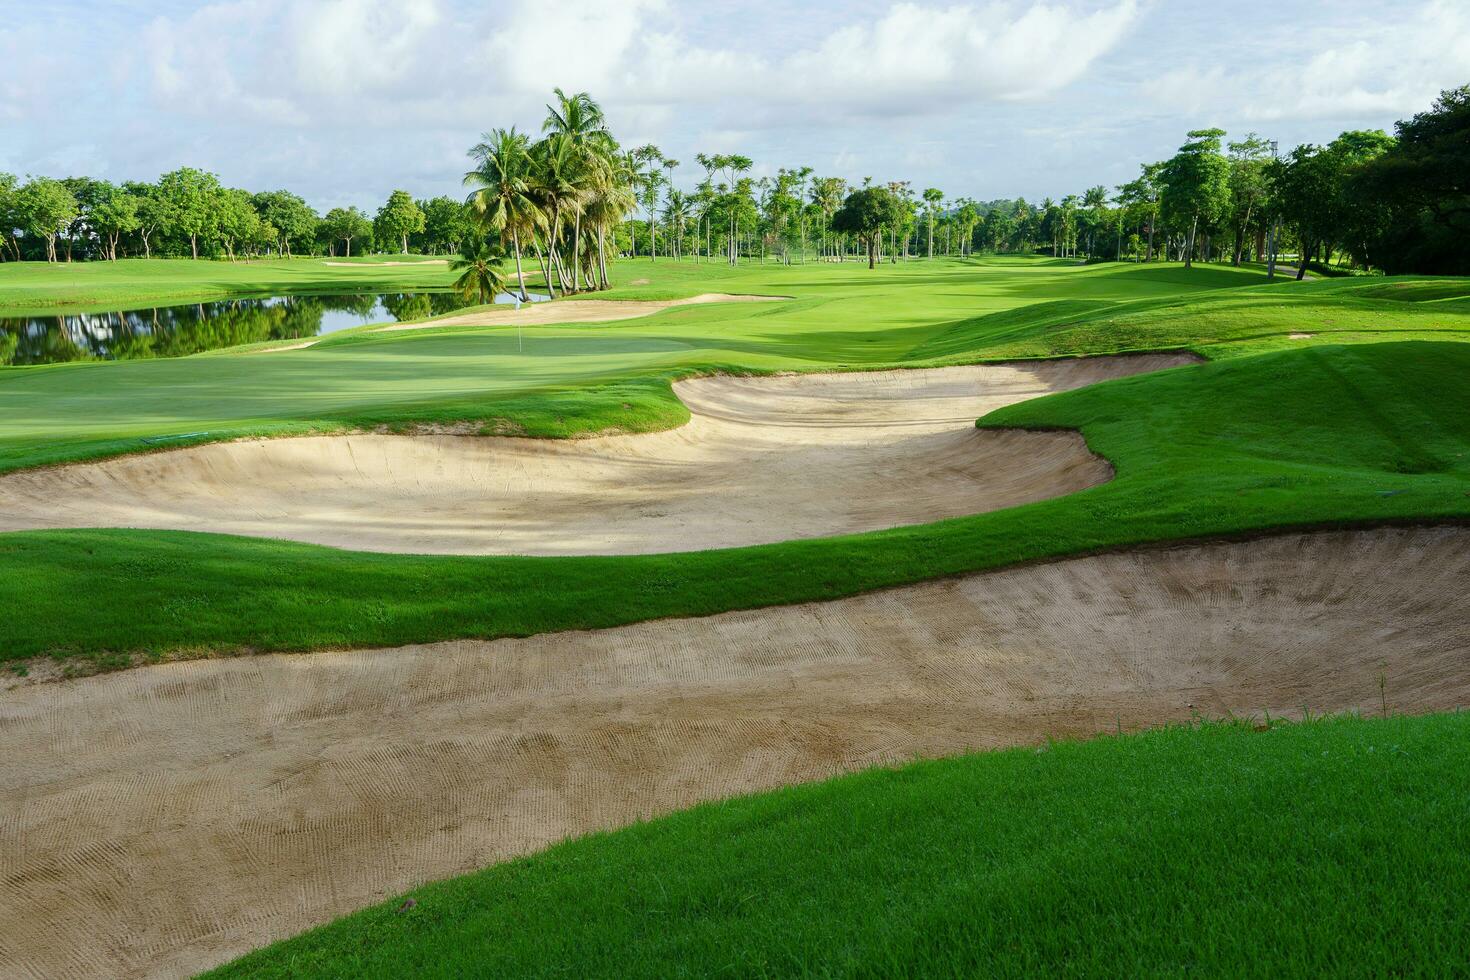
[398, 218]
[1197, 185]
[114, 213]
[1423, 181]
[236, 220]
[45, 208]
[1249, 187]
[478, 265]
[10, 221]
[866, 214]
[190, 199]
[446, 224]
[933, 199]
[345, 224]
[1314, 192]
[150, 210]
[292, 217]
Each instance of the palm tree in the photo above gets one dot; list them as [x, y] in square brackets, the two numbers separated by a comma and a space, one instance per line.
[610, 200]
[479, 268]
[501, 200]
[561, 182]
[577, 120]
[676, 217]
[934, 197]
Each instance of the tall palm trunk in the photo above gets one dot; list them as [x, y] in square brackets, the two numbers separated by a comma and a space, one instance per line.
[602, 256]
[515, 238]
[545, 269]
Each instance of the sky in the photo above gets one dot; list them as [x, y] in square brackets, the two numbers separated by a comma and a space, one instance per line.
[343, 101]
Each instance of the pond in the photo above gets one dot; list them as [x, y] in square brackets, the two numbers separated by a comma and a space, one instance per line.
[173, 331]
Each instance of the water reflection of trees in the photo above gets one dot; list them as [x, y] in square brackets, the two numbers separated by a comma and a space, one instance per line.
[178, 330]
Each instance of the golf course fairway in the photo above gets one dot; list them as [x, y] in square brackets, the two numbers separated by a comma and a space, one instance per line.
[294, 633]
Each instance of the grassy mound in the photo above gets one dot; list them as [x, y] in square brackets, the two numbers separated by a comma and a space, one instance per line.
[1339, 846]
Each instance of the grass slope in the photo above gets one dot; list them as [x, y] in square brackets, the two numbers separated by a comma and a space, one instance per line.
[1314, 436]
[1332, 847]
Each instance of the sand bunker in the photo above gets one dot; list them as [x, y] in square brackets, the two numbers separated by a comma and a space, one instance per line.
[763, 460]
[165, 819]
[574, 311]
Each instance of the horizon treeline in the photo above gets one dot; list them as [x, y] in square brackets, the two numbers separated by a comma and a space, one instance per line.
[1366, 201]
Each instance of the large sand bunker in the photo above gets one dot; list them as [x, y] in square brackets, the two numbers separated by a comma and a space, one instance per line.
[762, 460]
[167, 818]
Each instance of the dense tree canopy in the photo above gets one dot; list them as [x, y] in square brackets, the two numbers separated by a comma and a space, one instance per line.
[560, 202]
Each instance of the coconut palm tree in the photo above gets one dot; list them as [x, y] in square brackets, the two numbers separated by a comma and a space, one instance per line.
[502, 200]
[588, 146]
[677, 211]
[479, 268]
[934, 198]
[561, 182]
[610, 200]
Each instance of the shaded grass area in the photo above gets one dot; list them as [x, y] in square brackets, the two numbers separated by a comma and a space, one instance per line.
[1338, 846]
[1332, 435]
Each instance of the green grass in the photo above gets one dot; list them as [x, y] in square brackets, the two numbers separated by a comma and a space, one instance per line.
[842, 317]
[39, 288]
[1330, 435]
[1337, 847]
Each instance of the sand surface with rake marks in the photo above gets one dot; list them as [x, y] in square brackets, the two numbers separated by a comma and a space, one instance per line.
[762, 460]
[161, 820]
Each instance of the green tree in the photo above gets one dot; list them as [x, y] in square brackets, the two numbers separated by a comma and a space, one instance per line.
[190, 201]
[501, 201]
[10, 221]
[45, 208]
[478, 265]
[293, 219]
[447, 223]
[235, 220]
[1423, 183]
[1249, 160]
[345, 224]
[151, 211]
[1197, 185]
[114, 213]
[398, 218]
[934, 200]
[867, 214]
[1314, 188]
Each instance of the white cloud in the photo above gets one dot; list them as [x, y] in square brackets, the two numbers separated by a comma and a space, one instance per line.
[958, 53]
[303, 62]
[1391, 68]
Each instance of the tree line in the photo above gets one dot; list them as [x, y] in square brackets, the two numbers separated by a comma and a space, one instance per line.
[189, 213]
[569, 198]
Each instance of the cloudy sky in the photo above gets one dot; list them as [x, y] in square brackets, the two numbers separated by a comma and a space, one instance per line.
[344, 100]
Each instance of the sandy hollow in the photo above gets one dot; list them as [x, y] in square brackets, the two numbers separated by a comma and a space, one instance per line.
[762, 460]
[164, 819]
[573, 311]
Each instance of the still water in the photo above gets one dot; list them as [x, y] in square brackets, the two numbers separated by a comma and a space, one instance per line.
[172, 331]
